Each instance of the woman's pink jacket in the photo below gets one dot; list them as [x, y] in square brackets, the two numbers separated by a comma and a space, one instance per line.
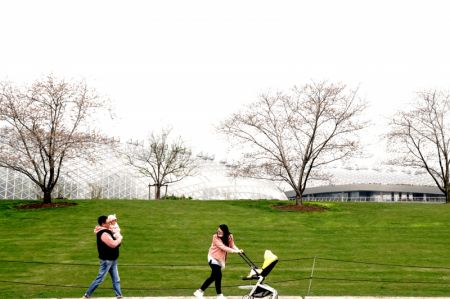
[219, 251]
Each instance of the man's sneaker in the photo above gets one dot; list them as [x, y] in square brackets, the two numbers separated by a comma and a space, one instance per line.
[221, 296]
[198, 294]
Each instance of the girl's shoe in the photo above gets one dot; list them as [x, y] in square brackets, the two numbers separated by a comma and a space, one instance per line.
[198, 294]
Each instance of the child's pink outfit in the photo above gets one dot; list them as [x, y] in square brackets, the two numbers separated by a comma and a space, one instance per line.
[114, 227]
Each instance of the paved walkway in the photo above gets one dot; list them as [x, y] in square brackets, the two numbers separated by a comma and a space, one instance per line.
[279, 297]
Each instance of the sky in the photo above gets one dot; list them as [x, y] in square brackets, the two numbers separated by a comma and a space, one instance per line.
[190, 64]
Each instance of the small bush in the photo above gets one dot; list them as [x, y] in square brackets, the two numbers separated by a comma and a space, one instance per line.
[173, 197]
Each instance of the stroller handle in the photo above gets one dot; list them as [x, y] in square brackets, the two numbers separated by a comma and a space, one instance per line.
[251, 264]
[247, 259]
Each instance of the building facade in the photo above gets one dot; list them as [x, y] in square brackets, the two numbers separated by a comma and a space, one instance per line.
[378, 184]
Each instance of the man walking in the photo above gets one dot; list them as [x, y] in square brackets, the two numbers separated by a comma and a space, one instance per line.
[108, 253]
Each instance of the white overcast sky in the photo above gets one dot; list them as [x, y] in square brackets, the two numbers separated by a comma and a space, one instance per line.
[189, 64]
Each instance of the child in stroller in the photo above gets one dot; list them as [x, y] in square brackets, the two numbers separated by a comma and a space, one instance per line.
[260, 290]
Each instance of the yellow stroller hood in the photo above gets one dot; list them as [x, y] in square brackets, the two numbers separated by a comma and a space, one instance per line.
[269, 258]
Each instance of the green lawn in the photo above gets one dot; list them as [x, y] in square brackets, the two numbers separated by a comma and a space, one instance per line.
[360, 248]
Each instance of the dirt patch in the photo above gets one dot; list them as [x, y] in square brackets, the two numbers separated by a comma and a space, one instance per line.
[41, 205]
[302, 208]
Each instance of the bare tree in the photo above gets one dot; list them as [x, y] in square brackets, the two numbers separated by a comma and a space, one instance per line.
[420, 137]
[43, 125]
[289, 137]
[161, 160]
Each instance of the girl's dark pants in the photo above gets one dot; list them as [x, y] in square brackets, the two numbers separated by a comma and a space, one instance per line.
[216, 276]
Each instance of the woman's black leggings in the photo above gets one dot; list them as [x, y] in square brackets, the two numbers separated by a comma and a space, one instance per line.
[216, 276]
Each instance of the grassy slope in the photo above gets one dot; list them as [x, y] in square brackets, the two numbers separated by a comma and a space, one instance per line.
[165, 246]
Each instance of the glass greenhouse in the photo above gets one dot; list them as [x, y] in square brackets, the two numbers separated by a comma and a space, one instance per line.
[110, 177]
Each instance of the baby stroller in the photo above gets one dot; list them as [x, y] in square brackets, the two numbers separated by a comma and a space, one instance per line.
[260, 290]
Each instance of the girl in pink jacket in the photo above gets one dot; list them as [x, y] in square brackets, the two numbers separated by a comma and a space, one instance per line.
[222, 244]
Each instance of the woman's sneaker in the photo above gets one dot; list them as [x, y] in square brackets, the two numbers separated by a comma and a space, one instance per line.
[198, 294]
[221, 296]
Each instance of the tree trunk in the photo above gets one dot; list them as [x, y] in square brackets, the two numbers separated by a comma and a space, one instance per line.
[298, 199]
[47, 196]
[158, 192]
[447, 195]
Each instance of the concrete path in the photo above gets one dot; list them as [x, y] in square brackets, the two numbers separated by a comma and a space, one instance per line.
[279, 297]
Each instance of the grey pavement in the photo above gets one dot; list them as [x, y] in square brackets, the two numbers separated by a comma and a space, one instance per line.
[279, 297]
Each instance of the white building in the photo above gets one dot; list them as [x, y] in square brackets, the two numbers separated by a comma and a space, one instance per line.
[354, 183]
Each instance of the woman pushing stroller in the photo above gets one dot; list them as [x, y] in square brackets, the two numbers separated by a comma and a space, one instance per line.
[222, 244]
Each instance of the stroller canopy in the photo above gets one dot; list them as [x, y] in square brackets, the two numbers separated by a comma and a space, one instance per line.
[270, 261]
